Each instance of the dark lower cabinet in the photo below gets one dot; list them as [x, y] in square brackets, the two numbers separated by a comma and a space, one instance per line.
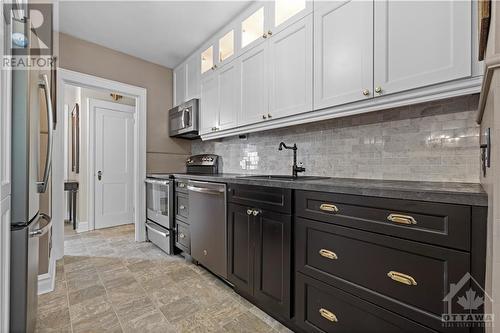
[260, 264]
[240, 229]
[324, 308]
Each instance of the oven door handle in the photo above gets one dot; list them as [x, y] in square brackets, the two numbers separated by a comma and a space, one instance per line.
[43, 230]
[156, 231]
[156, 181]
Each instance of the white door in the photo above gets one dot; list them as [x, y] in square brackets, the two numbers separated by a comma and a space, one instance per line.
[113, 164]
[209, 103]
[229, 95]
[180, 84]
[419, 43]
[254, 85]
[290, 69]
[343, 52]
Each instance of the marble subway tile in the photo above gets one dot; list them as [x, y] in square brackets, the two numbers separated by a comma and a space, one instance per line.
[441, 134]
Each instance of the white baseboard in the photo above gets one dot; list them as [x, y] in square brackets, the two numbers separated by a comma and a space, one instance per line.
[46, 282]
[83, 226]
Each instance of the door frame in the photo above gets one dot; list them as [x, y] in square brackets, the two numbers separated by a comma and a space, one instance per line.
[91, 157]
[65, 77]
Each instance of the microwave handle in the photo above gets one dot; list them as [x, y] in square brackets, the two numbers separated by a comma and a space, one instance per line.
[44, 84]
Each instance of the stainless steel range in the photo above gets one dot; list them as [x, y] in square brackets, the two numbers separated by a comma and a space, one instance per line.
[160, 224]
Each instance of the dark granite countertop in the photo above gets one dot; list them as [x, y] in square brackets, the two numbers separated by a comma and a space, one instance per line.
[444, 192]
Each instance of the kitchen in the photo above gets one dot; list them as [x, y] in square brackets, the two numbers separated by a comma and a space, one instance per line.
[287, 165]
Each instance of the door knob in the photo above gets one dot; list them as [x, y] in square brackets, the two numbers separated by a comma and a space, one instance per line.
[264, 116]
[255, 212]
[269, 115]
[270, 33]
[264, 35]
[378, 90]
[99, 175]
[249, 212]
[366, 92]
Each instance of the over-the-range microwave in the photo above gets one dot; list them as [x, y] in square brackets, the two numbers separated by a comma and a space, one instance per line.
[183, 120]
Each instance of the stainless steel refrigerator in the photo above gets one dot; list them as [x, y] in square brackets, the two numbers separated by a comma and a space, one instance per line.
[30, 92]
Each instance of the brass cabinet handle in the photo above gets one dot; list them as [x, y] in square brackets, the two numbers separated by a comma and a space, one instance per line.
[256, 212]
[378, 90]
[328, 254]
[402, 219]
[182, 184]
[181, 235]
[402, 278]
[264, 35]
[329, 208]
[270, 33]
[264, 116]
[182, 207]
[269, 115]
[249, 212]
[328, 315]
[366, 92]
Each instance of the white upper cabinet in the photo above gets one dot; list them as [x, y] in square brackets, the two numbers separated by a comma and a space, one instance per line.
[208, 59]
[193, 78]
[179, 85]
[229, 96]
[343, 52]
[283, 13]
[209, 103]
[419, 43]
[290, 69]
[254, 85]
[254, 25]
[228, 44]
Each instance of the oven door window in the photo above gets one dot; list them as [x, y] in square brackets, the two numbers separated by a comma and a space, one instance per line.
[157, 202]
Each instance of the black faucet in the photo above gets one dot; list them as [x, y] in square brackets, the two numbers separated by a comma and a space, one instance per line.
[295, 169]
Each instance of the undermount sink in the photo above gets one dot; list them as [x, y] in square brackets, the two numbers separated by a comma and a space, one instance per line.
[283, 177]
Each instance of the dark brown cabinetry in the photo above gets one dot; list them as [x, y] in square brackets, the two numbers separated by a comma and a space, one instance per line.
[390, 263]
[259, 251]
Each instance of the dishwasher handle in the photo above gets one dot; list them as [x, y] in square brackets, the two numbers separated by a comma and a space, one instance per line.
[205, 190]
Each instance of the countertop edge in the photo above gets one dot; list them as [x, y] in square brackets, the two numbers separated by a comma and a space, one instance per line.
[429, 195]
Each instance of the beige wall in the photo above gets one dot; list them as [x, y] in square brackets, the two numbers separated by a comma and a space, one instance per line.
[163, 153]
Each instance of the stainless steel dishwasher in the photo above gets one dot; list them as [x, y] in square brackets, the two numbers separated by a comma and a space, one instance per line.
[207, 221]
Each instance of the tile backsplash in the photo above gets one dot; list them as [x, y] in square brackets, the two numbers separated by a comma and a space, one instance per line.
[434, 141]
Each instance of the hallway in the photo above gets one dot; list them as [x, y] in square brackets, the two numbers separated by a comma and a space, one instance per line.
[108, 282]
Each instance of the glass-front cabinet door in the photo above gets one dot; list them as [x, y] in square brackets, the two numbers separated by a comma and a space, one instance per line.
[226, 46]
[253, 26]
[207, 58]
[283, 13]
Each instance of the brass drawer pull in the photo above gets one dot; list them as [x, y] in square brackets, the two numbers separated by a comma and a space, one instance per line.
[181, 235]
[402, 278]
[182, 207]
[329, 208]
[402, 219]
[328, 315]
[328, 254]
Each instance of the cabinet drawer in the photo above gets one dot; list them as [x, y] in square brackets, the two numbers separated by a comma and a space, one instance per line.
[417, 275]
[183, 237]
[435, 223]
[181, 207]
[181, 185]
[323, 308]
[269, 198]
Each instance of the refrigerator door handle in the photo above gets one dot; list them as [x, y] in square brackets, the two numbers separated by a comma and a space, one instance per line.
[44, 84]
[43, 230]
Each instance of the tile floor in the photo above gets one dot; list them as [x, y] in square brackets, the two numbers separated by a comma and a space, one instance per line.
[107, 282]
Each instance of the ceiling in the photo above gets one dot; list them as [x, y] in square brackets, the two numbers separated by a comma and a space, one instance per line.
[162, 32]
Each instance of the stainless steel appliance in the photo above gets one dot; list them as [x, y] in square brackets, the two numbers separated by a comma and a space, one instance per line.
[159, 213]
[183, 120]
[30, 95]
[207, 218]
[160, 200]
